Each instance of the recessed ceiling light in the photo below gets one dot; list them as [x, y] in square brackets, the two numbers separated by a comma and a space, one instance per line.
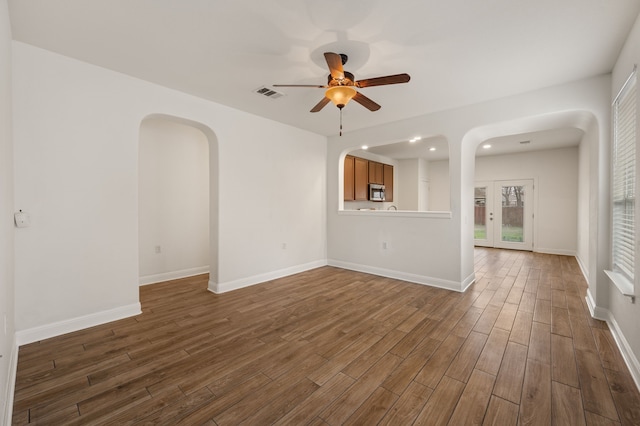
[433, 148]
[486, 146]
[365, 147]
[415, 138]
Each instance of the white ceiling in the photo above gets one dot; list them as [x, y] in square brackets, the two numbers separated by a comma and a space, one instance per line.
[458, 52]
[511, 144]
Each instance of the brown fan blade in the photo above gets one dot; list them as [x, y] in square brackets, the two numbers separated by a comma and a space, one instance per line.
[366, 102]
[335, 65]
[321, 104]
[299, 85]
[381, 81]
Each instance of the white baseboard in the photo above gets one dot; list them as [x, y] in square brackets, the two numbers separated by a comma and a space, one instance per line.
[260, 278]
[468, 281]
[627, 353]
[173, 275]
[625, 349]
[555, 251]
[35, 334]
[405, 276]
[583, 269]
[7, 414]
[595, 311]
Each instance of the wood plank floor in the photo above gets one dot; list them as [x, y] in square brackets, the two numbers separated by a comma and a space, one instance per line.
[331, 346]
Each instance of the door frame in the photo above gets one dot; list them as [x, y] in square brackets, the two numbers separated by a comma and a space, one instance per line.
[494, 214]
[488, 241]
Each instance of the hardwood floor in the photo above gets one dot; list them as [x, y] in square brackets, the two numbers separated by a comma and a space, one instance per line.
[331, 346]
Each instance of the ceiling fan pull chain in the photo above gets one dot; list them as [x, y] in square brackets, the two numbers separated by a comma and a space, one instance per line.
[340, 121]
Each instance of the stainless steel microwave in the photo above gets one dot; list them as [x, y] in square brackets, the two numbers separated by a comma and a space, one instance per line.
[376, 192]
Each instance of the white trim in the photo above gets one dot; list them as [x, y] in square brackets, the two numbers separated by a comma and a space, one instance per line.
[559, 252]
[11, 384]
[624, 85]
[218, 288]
[468, 281]
[42, 332]
[627, 353]
[397, 213]
[173, 275]
[405, 276]
[625, 349]
[583, 269]
[622, 283]
[595, 311]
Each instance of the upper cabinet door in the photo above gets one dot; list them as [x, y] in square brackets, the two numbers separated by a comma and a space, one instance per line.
[376, 172]
[361, 178]
[388, 182]
[349, 181]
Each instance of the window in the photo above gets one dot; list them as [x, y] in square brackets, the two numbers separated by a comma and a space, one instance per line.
[624, 186]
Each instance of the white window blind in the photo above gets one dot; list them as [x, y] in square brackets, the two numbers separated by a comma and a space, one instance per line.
[624, 179]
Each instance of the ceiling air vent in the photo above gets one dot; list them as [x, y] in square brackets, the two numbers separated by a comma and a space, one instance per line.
[269, 92]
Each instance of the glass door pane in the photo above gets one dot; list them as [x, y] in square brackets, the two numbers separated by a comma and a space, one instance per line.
[512, 229]
[483, 214]
[480, 213]
[513, 214]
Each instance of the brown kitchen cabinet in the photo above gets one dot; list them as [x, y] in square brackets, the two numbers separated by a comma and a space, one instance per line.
[376, 171]
[360, 177]
[388, 182]
[359, 173]
[349, 181]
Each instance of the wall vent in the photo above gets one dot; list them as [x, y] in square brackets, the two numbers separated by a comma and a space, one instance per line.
[269, 92]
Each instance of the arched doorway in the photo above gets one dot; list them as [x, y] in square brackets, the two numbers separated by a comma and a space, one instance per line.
[587, 187]
[178, 199]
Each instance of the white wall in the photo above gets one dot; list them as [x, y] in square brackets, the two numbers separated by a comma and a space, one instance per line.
[76, 133]
[555, 198]
[435, 249]
[582, 224]
[7, 347]
[173, 201]
[610, 304]
[439, 191]
[408, 184]
[413, 178]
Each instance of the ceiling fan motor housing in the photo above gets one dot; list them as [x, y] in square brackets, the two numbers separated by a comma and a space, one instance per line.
[348, 80]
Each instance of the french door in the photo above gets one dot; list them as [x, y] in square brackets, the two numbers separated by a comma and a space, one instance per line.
[503, 215]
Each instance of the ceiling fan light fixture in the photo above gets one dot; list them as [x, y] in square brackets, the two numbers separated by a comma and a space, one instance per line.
[340, 95]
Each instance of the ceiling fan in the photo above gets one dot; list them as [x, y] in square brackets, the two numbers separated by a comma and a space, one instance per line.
[341, 85]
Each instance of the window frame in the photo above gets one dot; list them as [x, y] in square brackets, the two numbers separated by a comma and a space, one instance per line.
[624, 179]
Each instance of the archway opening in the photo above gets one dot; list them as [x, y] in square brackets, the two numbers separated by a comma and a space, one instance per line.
[564, 185]
[419, 179]
[177, 209]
